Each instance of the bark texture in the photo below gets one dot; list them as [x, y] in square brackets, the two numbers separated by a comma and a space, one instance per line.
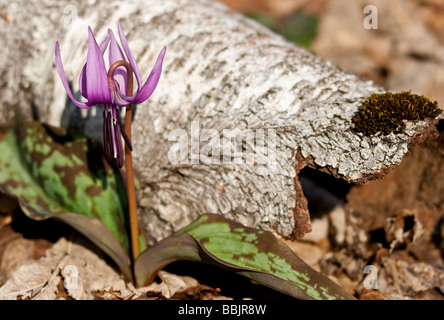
[225, 72]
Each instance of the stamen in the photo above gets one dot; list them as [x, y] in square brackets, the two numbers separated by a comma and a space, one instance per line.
[109, 137]
[119, 147]
[122, 130]
[106, 134]
[113, 137]
[115, 125]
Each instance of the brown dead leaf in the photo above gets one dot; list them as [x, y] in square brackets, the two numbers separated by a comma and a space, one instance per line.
[431, 294]
[405, 52]
[82, 271]
[7, 206]
[277, 8]
[61, 292]
[426, 252]
[40, 247]
[368, 294]
[15, 253]
[403, 230]
[200, 292]
[309, 252]
[110, 294]
[247, 5]
[401, 277]
[5, 220]
[415, 188]
[152, 295]
[381, 253]
[7, 234]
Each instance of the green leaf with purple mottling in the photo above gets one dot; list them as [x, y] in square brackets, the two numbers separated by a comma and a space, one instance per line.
[253, 253]
[57, 174]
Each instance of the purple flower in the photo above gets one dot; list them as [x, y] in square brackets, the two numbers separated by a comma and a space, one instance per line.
[97, 87]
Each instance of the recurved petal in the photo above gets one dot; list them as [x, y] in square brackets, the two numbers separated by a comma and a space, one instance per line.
[61, 71]
[116, 54]
[129, 55]
[97, 86]
[145, 92]
[104, 44]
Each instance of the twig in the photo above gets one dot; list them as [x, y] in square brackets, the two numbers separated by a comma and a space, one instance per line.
[56, 271]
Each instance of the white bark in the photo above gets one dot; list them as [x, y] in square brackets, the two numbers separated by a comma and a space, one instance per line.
[222, 70]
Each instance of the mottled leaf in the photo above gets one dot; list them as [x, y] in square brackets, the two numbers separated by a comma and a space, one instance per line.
[57, 174]
[253, 253]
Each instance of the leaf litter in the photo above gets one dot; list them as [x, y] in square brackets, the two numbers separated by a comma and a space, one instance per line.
[400, 232]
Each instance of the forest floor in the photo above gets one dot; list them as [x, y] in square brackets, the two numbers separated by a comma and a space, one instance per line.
[393, 226]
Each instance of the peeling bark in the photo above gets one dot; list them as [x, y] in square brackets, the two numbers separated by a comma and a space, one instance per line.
[222, 70]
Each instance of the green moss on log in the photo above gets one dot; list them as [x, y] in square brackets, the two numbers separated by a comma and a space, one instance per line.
[386, 112]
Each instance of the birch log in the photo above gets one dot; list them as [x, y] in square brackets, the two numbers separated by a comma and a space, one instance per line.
[221, 72]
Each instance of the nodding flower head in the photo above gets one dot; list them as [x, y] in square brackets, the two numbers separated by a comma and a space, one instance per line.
[110, 87]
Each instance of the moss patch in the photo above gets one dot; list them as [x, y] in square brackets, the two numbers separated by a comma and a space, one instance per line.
[385, 112]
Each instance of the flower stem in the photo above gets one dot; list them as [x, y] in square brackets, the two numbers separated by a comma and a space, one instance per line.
[132, 205]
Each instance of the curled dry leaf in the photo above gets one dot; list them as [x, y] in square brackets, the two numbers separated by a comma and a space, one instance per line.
[170, 285]
[403, 278]
[152, 295]
[82, 272]
[15, 253]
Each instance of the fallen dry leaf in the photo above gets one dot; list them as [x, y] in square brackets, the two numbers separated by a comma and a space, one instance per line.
[81, 270]
[368, 294]
[151, 295]
[200, 292]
